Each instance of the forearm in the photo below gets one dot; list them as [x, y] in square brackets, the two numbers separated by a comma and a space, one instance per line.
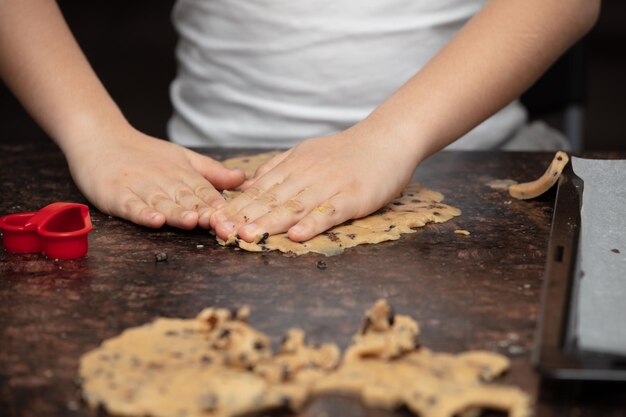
[491, 61]
[43, 65]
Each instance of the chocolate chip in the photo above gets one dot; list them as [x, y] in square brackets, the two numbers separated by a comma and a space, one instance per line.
[366, 325]
[332, 236]
[224, 333]
[397, 203]
[258, 345]
[263, 238]
[416, 343]
[351, 235]
[436, 213]
[160, 256]
[391, 317]
[101, 410]
[615, 250]
[208, 402]
[284, 401]
[559, 158]
[321, 265]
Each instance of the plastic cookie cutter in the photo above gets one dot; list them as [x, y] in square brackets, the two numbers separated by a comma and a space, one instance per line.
[59, 230]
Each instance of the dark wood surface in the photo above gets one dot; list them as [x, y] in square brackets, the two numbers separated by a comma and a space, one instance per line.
[467, 292]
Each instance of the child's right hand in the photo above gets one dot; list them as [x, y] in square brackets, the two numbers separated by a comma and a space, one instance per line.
[149, 181]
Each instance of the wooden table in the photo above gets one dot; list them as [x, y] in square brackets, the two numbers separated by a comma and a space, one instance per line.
[468, 292]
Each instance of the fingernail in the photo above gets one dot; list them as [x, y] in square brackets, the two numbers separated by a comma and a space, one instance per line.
[249, 229]
[297, 229]
[228, 225]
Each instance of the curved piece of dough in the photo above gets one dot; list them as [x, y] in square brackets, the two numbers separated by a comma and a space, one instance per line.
[535, 188]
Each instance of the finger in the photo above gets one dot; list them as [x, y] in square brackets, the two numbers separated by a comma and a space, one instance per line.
[185, 197]
[209, 198]
[265, 168]
[281, 218]
[242, 200]
[332, 212]
[175, 215]
[131, 207]
[251, 204]
[265, 203]
[218, 175]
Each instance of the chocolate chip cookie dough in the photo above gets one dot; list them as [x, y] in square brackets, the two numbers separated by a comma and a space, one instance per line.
[217, 365]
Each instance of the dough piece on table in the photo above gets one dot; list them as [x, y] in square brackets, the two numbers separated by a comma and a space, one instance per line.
[429, 384]
[216, 365]
[535, 188]
[500, 184]
[414, 208]
[383, 335]
[386, 368]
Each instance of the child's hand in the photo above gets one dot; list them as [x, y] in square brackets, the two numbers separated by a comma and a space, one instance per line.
[149, 181]
[318, 184]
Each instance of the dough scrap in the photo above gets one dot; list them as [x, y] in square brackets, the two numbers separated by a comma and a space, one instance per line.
[217, 365]
[416, 207]
[498, 184]
[542, 184]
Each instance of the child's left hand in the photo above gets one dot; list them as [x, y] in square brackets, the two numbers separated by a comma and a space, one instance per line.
[318, 184]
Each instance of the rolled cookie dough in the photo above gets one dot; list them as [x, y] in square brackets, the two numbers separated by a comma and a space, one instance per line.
[416, 207]
[532, 189]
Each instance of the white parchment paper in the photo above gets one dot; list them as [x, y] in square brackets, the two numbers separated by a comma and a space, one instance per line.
[601, 292]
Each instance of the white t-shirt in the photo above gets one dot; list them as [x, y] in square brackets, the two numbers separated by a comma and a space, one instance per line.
[270, 73]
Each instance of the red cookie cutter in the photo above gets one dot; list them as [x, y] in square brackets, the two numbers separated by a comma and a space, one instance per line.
[59, 230]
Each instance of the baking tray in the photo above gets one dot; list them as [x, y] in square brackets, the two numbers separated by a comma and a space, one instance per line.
[556, 354]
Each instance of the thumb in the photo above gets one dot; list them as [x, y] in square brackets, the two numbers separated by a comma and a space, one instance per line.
[219, 176]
